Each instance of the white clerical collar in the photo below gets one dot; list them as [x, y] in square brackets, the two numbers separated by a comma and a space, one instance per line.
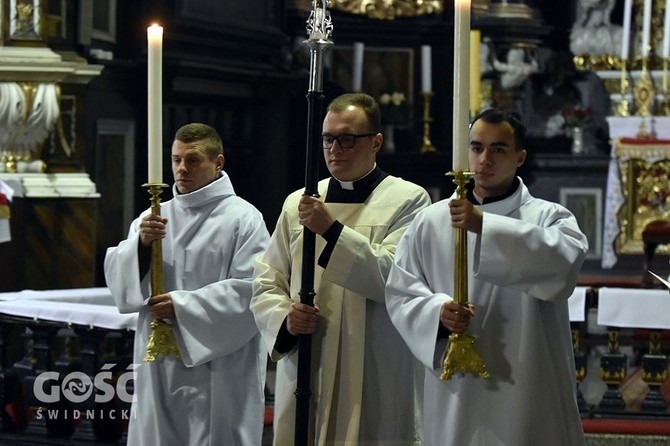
[349, 185]
[479, 199]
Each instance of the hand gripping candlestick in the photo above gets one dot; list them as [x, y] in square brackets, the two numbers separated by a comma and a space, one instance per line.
[461, 355]
[319, 28]
[161, 338]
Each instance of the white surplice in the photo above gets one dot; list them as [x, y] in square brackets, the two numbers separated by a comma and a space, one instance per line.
[522, 269]
[214, 395]
[362, 372]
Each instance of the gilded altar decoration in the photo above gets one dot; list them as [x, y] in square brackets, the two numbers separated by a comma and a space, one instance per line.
[587, 62]
[644, 168]
[644, 94]
[664, 107]
[389, 9]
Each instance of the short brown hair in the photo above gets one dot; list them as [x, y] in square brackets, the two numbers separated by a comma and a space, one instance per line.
[363, 101]
[197, 131]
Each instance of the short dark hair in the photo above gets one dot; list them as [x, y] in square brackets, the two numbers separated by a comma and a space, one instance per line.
[363, 101]
[197, 131]
[500, 115]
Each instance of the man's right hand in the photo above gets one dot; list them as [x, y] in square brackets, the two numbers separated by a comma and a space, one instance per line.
[301, 319]
[152, 227]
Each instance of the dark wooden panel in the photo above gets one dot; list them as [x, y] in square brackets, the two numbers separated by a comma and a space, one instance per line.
[259, 13]
[60, 240]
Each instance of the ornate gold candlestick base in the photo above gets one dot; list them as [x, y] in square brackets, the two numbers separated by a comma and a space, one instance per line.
[427, 145]
[461, 353]
[161, 339]
[463, 357]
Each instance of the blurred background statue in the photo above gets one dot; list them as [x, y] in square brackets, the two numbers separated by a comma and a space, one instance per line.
[592, 33]
[516, 70]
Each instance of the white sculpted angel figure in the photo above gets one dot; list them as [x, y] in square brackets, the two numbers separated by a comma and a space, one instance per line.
[516, 70]
[592, 33]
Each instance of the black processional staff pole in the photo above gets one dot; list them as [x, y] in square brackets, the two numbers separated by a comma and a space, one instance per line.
[319, 28]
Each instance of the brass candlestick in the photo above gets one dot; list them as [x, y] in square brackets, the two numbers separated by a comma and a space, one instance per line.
[623, 106]
[161, 339]
[427, 146]
[461, 353]
[644, 93]
[665, 104]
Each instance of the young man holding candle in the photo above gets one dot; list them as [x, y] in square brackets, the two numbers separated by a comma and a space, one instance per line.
[210, 238]
[524, 256]
[362, 373]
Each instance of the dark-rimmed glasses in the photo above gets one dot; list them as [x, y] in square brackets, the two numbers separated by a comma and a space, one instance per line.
[345, 140]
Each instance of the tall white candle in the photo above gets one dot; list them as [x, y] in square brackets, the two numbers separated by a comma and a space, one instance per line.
[357, 70]
[475, 71]
[461, 87]
[665, 50]
[426, 69]
[155, 102]
[625, 42]
[646, 28]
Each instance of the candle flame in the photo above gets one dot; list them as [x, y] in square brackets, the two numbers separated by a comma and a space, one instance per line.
[155, 30]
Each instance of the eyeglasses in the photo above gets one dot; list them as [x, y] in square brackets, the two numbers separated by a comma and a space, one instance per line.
[345, 140]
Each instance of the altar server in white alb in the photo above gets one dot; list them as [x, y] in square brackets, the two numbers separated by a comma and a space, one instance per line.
[214, 394]
[362, 372]
[524, 256]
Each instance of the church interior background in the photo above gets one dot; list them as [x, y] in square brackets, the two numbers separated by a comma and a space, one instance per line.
[593, 92]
